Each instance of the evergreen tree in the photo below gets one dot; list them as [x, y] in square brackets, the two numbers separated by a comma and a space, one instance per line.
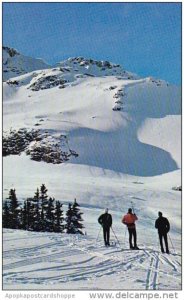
[31, 214]
[37, 195]
[44, 205]
[39, 213]
[43, 192]
[69, 220]
[49, 217]
[24, 219]
[6, 217]
[77, 219]
[14, 209]
[37, 220]
[26, 215]
[37, 209]
[74, 219]
[58, 218]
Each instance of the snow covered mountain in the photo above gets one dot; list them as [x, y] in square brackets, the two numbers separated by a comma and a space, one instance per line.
[15, 64]
[92, 130]
[112, 118]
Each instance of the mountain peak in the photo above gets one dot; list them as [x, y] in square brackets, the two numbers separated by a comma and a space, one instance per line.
[87, 61]
[80, 60]
[91, 67]
[10, 51]
[15, 64]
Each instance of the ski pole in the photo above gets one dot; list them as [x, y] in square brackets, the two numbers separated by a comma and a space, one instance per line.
[116, 237]
[98, 234]
[172, 243]
[132, 206]
[125, 236]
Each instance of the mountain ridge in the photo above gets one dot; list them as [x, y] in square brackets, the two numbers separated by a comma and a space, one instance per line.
[104, 67]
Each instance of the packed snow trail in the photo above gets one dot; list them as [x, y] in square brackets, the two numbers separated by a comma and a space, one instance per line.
[61, 261]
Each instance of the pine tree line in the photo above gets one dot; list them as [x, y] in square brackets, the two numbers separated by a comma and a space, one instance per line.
[41, 213]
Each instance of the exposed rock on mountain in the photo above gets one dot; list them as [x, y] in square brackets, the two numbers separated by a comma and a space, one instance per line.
[15, 64]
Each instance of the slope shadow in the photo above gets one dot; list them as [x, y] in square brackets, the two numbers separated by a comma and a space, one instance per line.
[121, 151]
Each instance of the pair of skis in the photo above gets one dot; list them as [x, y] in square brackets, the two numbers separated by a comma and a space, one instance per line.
[114, 236]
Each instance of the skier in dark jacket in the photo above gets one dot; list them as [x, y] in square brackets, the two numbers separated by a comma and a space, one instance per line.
[106, 221]
[163, 226]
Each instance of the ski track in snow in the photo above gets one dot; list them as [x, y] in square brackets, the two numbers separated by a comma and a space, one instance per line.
[152, 275]
[59, 260]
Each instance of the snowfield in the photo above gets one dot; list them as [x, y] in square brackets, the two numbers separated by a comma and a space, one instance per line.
[66, 262]
[127, 133]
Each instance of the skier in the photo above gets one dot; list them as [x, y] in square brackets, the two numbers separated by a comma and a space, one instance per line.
[163, 226]
[105, 220]
[129, 220]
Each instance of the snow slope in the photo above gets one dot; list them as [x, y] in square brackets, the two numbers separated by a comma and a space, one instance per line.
[122, 141]
[127, 133]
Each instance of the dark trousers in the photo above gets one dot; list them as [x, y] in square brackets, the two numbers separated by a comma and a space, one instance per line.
[132, 234]
[106, 234]
[161, 237]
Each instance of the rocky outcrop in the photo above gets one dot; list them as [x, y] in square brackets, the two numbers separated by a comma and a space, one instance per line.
[40, 146]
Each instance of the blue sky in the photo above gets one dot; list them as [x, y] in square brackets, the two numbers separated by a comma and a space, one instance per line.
[144, 37]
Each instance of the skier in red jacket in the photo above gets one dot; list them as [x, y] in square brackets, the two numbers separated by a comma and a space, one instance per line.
[129, 220]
